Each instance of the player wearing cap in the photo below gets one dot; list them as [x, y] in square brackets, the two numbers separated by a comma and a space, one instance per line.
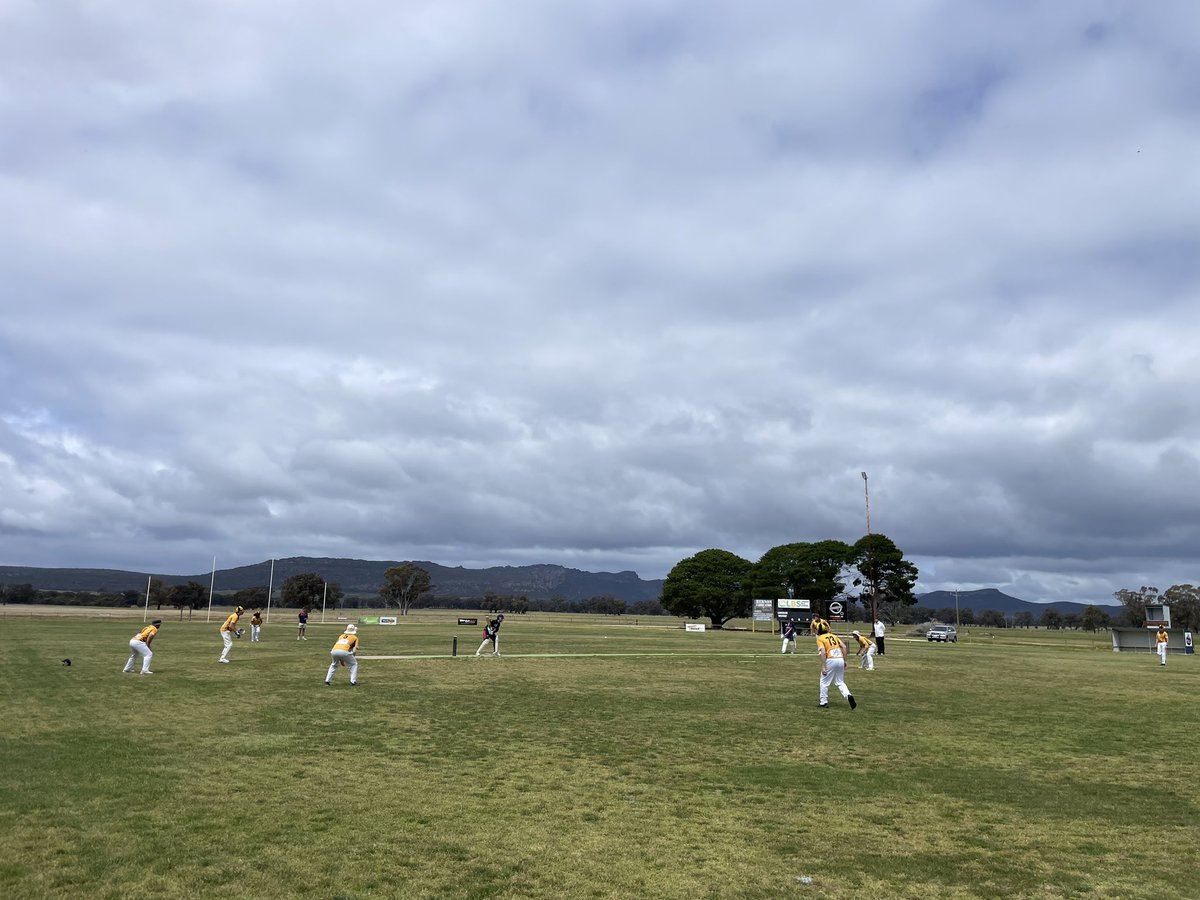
[866, 652]
[789, 637]
[302, 618]
[1160, 644]
[817, 623]
[255, 627]
[491, 634]
[228, 630]
[344, 653]
[139, 645]
[833, 666]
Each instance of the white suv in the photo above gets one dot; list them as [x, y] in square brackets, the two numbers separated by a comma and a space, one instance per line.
[942, 633]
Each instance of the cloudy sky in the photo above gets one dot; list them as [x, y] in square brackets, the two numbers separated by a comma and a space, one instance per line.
[603, 284]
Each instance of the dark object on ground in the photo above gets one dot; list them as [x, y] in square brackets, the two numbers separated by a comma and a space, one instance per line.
[66, 662]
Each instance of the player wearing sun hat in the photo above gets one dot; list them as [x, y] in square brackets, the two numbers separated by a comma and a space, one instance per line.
[139, 645]
[344, 653]
[866, 652]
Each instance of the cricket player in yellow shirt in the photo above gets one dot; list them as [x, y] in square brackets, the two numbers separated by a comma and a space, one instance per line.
[255, 627]
[228, 630]
[866, 652]
[814, 627]
[1160, 644]
[139, 645]
[833, 665]
[344, 654]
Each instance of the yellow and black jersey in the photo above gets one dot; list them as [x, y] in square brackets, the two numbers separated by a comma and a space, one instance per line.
[832, 646]
[863, 642]
[346, 642]
[147, 634]
[256, 619]
[231, 622]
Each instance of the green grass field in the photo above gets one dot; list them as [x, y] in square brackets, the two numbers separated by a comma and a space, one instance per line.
[594, 759]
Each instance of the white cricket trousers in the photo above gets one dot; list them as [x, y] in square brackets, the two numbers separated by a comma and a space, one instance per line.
[835, 673]
[495, 646]
[339, 657]
[787, 641]
[227, 637]
[868, 660]
[255, 631]
[142, 649]
[1161, 647]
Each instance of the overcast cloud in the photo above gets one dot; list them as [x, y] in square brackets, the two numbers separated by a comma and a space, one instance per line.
[603, 284]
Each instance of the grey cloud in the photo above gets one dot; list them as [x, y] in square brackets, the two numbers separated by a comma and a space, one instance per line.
[602, 285]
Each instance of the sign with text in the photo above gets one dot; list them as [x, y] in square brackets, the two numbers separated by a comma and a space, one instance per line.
[694, 626]
[837, 611]
[761, 610]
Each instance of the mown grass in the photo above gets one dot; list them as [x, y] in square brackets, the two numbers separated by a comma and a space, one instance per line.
[652, 764]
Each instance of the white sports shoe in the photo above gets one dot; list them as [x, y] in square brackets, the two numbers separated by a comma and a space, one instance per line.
[222, 660]
[147, 673]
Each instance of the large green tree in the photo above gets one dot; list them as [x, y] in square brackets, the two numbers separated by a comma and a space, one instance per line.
[1185, 606]
[188, 596]
[403, 585]
[814, 572]
[1093, 618]
[158, 592]
[1134, 603]
[251, 597]
[885, 576]
[303, 590]
[713, 583]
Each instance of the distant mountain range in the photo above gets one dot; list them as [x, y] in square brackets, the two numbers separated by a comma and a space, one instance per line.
[359, 576]
[540, 582]
[990, 598]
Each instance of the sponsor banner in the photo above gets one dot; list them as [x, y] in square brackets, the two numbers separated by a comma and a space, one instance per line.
[762, 609]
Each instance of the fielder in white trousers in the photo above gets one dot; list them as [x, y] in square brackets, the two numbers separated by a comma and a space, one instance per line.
[255, 631]
[834, 673]
[346, 658]
[227, 637]
[868, 659]
[139, 648]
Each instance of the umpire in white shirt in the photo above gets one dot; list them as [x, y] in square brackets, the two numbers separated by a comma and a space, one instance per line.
[879, 630]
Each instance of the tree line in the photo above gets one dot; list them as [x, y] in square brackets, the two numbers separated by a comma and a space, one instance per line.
[1184, 600]
[720, 585]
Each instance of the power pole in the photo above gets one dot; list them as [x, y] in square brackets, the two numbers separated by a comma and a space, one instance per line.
[870, 567]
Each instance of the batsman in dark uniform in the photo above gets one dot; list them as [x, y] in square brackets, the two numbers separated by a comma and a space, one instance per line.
[491, 634]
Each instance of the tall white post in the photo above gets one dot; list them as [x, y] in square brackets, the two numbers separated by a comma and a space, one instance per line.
[211, 584]
[270, 588]
[324, 594]
[146, 614]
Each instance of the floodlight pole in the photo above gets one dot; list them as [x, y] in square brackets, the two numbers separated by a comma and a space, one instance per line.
[957, 618]
[867, 498]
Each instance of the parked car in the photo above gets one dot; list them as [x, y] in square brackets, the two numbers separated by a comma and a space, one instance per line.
[946, 633]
